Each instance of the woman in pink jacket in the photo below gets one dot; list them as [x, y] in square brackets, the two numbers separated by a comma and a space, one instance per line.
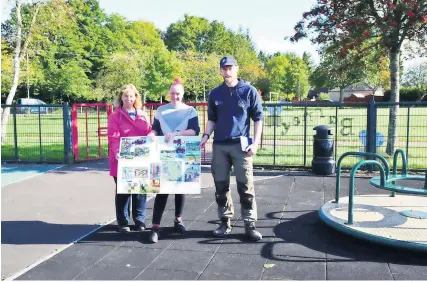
[126, 121]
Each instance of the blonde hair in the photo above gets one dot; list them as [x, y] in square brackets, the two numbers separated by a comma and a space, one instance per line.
[125, 90]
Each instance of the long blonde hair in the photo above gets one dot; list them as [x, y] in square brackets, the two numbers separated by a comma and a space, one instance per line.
[124, 90]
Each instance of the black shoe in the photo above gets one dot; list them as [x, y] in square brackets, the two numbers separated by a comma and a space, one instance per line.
[224, 228]
[140, 226]
[154, 235]
[178, 226]
[251, 232]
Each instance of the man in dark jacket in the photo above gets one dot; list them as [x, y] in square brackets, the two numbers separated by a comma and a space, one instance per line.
[230, 108]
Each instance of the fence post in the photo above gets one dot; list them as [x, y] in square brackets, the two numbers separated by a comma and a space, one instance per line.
[336, 132]
[40, 135]
[274, 138]
[15, 131]
[371, 131]
[407, 134]
[75, 133]
[305, 136]
[67, 132]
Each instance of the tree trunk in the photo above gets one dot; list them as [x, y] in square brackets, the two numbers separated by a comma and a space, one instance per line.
[16, 69]
[342, 94]
[395, 87]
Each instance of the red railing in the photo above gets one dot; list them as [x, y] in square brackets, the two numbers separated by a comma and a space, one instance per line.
[94, 134]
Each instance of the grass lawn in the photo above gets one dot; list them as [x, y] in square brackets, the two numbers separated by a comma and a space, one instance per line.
[293, 135]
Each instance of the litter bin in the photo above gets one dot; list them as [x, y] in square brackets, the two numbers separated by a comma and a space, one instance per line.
[323, 162]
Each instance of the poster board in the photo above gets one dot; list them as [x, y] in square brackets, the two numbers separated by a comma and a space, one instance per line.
[157, 167]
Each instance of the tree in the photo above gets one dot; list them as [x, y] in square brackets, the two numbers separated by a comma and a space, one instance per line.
[200, 74]
[21, 45]
[416, 76]
[192, 33]
[306, 57]
[276, 69]
[338, 70]
[199, 35]
[353, 22]
[288, 74]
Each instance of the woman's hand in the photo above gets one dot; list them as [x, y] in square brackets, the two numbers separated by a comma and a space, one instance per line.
[117, 156]
[151, 135]
[141, 113]
[170, 136]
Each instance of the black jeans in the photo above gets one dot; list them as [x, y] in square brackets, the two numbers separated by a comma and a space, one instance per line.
[160, 204]
[139, 203]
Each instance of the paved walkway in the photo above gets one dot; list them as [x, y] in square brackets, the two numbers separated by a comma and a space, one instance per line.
[296, 244]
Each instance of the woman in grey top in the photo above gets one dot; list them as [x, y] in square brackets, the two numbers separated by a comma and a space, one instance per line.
[170, 120]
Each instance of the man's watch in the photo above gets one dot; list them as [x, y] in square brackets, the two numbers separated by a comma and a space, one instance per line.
[206, 135]
[177, 133]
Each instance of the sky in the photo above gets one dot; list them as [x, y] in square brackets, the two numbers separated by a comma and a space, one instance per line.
[268, 21]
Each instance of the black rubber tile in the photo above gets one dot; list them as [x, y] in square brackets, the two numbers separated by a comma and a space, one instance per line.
[198, 237]
[182, 260]
[104, 272]
[295, 270]
[409, 272]
[130, 257]
[239, 265]
[56, 270]
[358, 270]
[167, 274]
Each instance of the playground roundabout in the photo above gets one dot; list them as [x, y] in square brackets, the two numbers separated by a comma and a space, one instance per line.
[398, 219]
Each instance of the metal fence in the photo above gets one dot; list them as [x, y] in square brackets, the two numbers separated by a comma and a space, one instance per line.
[287, 140]
[288, 131]
[37, 133]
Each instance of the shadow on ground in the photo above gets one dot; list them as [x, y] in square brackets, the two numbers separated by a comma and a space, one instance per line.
[40, 232]
[310, 233]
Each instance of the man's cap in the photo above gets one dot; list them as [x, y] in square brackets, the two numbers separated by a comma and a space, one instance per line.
[227, 61]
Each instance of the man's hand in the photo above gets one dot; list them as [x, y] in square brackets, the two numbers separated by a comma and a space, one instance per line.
[203, 141]
[170, 136]
[252, 149]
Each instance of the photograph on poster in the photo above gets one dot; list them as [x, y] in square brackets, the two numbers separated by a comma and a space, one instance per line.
[172, 171]
[155, 174]
[179, 148]
[138, 147]
[192, 172]
[134, 180]
[167, 154]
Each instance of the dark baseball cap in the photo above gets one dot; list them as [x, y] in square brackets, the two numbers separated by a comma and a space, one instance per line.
[227, 61]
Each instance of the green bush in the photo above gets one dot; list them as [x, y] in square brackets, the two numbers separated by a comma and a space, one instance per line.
[323, 96]
[406, 95]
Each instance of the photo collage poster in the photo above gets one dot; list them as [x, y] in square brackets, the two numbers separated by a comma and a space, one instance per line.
[159, 167]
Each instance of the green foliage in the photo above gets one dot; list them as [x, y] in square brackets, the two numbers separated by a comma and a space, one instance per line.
[416, 76]
[407, 94]
[77, 52]
[200, 74]
[288, 74]
[323, 96]
[337, 70]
